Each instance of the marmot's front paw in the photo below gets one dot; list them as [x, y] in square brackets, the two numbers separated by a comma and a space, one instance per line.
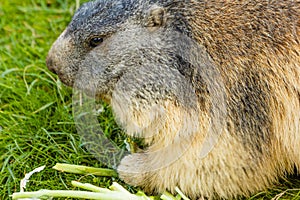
[133, 169]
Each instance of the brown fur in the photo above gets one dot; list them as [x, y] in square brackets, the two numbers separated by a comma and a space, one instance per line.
[256, 48]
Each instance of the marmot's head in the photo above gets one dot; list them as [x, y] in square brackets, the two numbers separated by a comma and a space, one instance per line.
[107, 39]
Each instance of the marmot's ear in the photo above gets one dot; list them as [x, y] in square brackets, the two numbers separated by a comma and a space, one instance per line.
[155, 17]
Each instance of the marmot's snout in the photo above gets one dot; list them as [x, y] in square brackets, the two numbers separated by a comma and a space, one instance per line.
[53, 58]
[61, 49]
[50, 64]
[64, 72]
[56, 59]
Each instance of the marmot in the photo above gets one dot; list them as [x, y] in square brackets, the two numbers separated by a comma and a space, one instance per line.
[162, 88]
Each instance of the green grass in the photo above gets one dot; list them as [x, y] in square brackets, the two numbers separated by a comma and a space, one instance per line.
[37, 126]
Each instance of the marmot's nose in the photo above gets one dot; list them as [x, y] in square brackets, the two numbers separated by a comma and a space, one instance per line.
[50, 64]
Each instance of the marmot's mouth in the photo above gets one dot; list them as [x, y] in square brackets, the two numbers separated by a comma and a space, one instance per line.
[67, 80]
[64, 78]
[50, 64]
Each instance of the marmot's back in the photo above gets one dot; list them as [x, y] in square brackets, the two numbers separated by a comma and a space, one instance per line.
[256, 44]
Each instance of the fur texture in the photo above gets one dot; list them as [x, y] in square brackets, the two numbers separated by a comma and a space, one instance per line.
[126, 51]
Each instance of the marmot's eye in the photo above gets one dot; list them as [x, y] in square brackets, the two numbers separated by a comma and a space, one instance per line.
[95, 41]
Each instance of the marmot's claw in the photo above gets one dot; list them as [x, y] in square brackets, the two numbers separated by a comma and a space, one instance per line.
[132, 169]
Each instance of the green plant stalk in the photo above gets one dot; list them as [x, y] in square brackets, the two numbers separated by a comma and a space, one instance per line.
[75, 194]
[169, 196]
[117, 192]
[84, 170]
[181, 194]
[117, 187]
[90, 187]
